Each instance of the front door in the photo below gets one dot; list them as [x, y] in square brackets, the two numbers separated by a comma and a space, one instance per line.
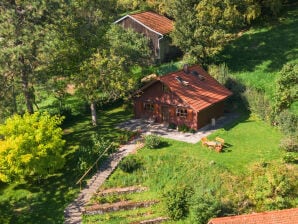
[165, 115]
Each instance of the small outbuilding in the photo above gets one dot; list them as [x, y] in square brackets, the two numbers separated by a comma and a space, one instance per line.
[188, 97]
[157, 28]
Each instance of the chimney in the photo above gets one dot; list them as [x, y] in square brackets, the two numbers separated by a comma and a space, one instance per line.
[185, 68]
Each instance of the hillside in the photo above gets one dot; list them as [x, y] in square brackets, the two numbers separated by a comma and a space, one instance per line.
[258, 55]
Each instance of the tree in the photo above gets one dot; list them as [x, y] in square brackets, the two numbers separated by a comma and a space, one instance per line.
[202, 27]
[30, 145]
[130, 45]
[106, 74]
[102, 78]
[23, 28]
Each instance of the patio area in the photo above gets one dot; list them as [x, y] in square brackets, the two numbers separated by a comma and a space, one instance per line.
[149, 127]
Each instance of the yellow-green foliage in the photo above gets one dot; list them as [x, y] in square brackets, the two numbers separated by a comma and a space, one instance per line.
[30, 145]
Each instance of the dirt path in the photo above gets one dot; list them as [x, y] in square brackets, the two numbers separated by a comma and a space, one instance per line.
[73, 212]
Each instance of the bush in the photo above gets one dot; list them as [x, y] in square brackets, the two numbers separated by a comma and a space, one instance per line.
[183, 128]
[152, 141]
[289, 158]
[204, 206]
[256, 102]
[289, 144]
[272, 187]
[87, 154]
[177, 202]
[219, 72]
[130, 164]
[172, 126]
[287, 122]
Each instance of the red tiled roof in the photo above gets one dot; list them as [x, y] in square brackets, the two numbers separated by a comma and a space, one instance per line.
[286, 216]
[197, 93]
[156, 22]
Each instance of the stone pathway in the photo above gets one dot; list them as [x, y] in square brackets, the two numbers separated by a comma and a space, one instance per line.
[73, 212]
[148, 127]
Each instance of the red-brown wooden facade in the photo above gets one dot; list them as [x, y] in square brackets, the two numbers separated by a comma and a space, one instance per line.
[156, 101]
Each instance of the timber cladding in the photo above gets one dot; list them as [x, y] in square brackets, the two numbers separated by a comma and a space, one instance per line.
[182, 98]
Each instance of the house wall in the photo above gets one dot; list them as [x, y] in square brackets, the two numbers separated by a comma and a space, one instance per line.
[130, 23]
[155, 95]
[215, 111]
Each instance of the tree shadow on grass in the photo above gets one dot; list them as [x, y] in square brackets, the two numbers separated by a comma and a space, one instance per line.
[44, 201]
[274, 46]
[163, 144]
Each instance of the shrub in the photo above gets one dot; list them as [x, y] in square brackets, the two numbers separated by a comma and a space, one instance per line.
[172, 126]
[287, 87]
[87, 154]
[204, 206]
[287, 122]
[130, 164]
[289, 158]
[256, 102]
[272, 187]
[219, 72]
[177, 202]
[192, 131]
[152, 141]
[289, 144]
[183, 128]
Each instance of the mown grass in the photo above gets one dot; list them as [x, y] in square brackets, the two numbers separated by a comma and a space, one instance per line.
[248, 141]
[44, 201]
[258, 55]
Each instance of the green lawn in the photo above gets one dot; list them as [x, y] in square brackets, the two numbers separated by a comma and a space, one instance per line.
[248, 141]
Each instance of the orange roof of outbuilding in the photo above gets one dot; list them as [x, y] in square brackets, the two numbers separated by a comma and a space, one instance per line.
[197, 93]
[286, 216]
[158, 23]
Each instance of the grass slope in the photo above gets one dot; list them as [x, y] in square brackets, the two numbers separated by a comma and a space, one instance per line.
[248, 141]
[258, 55]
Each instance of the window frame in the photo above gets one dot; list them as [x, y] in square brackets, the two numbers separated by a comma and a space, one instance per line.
[181, 112]
[148, 107]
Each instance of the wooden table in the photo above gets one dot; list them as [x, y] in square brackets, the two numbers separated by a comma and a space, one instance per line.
[215, 145]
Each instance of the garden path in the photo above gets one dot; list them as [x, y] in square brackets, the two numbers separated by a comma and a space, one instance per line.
[73, 212]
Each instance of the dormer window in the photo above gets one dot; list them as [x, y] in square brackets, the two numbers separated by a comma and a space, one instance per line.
[165, 88]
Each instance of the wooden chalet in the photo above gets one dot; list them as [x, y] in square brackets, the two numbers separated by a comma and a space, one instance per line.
[189, 96]
[156, 27]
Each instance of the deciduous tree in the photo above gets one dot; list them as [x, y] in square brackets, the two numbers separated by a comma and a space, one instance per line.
[30, 146]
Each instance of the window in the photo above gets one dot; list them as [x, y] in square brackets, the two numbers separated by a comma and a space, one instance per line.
[148, 107]
[180, 112]
[164, 88]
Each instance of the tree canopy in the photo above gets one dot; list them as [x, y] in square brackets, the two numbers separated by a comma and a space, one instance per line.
[30, 146]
